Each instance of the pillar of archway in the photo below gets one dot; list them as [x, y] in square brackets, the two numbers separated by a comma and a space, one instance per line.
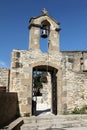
[59, 91]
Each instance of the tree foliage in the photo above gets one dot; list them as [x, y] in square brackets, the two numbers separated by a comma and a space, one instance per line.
[39, 78]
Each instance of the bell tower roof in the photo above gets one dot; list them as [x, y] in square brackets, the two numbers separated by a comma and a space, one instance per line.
[44, 13]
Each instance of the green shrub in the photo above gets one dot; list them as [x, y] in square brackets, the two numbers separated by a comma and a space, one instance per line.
[82, 110]
[75, 111]
[26, 114]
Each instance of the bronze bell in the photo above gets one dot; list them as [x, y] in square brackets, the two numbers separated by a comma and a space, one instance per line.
[44, 32]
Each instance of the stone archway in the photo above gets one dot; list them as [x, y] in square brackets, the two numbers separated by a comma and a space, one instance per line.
[47, 102]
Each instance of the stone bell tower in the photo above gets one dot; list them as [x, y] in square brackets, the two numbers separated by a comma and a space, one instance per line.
[46, 27]
[24, 63]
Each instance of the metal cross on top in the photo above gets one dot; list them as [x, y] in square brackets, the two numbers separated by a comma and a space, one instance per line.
[44, 11]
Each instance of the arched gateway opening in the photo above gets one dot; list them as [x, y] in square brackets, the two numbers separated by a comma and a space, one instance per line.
[44, 90]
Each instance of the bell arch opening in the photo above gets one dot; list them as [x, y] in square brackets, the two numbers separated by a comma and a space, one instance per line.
[44, 33]
[44, 90]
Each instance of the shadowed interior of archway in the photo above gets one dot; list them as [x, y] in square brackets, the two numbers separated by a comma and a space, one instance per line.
[46, 100]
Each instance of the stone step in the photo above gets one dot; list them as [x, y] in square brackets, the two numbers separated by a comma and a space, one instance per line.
[45, 126]
[46, 122]
[63, 124]
[59, 118]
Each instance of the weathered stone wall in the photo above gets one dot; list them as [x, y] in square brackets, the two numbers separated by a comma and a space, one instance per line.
[21, 73]
[74, 80]
[76, 90]
[71, 87]
[4, 78]
[9, 109]
[72, 83]
[76, 60]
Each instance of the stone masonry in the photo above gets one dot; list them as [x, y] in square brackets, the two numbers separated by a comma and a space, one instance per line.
[4, 78]
[68, 69]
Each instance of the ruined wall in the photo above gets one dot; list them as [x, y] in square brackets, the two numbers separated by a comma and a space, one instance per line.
[74, 80]
[77, 60]
[76, 90]
[9, 108]
[4, 78]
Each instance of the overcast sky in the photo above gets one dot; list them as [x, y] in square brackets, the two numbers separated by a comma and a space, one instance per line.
[14, 21]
